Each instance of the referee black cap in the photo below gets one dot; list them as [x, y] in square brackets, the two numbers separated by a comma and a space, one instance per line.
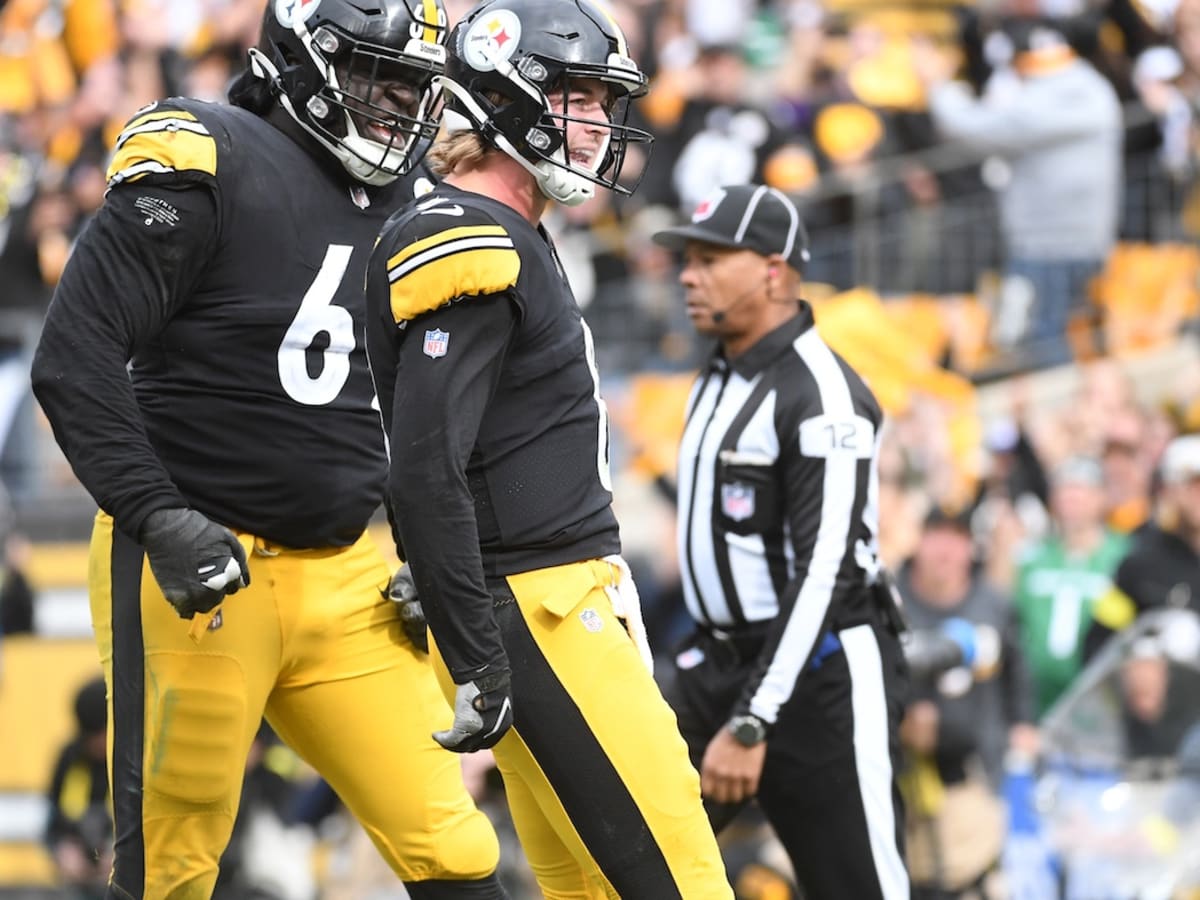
[748, 217]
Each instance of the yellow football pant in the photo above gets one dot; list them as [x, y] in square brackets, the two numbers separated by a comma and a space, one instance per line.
[315, 646]
[598, 780]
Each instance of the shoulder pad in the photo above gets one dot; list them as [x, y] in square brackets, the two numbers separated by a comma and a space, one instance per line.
[165, 141]
[443, 251]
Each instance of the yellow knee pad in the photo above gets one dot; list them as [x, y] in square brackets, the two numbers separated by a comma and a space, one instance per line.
[196, 730]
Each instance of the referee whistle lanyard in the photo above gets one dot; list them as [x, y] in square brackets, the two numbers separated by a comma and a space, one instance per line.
[627, 605]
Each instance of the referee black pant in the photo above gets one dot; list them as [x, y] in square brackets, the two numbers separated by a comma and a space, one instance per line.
[828, 785]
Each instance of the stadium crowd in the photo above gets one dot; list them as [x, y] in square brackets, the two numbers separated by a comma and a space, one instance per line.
[1021, 292]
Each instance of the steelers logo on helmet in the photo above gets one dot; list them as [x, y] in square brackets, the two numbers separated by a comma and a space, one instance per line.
[289, 12]
[492, 39]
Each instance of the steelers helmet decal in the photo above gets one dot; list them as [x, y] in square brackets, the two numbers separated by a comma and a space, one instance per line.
[289, 12]
[491, 39]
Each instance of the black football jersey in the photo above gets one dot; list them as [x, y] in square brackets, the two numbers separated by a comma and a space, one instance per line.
[539, 469]
[499, 438]
[231, 261]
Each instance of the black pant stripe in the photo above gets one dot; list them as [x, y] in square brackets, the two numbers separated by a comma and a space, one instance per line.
[129, 866]
[581, 773]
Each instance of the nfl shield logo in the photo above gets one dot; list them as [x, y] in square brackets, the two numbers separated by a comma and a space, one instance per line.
[436, 342]
[689, 658]
[737, 501]
[591, 620]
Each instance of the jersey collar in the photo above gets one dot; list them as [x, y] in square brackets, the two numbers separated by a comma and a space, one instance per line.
[771, 345]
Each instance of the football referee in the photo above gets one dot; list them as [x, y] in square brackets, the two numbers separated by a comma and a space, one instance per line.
[791, 688]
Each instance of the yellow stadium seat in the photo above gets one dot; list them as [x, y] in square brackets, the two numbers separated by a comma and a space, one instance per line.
[39, 678]
[1145, 293]
[57, 565]
[91, 31]
[25, 864]
[968, 326]
[904, 368]
[922, 319]
[651, 417]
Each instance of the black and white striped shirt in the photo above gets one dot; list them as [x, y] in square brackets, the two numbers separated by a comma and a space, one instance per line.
[778, 500]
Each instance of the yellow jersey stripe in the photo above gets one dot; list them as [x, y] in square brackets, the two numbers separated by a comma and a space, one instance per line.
[430, 14]
[448, 248]
[158, 115]
[471, 272]
[450, 234]
[162, 151]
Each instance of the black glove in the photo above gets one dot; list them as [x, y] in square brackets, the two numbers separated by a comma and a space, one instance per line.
[403, 592]
[482, 714]
[195, 561]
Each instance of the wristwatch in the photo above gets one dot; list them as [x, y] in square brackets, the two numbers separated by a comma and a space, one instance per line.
[748, 730]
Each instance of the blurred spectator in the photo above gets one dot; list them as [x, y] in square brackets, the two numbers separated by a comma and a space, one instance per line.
[719, 137]
[1128, 469]
[79, 831]
[1183, 798]
[1187, 42]
[16, 594]
[1017, 471]
[1162, 568]
[1104, 394]
[26, 218]
[1060, 577]
[1156, 715]
[653, 293]
[960, 722]
[1058, 127]
[1156, 75]
[853, 201]
[1010, 507]
[981, 711]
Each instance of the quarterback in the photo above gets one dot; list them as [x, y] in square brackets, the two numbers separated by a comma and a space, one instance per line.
[499, 479]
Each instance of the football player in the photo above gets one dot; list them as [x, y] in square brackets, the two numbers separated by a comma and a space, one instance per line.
[499, 480]
[203, 368]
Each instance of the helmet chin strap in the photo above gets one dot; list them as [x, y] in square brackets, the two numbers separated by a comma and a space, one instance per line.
[564, 186]
[561, 183]
[365, 159]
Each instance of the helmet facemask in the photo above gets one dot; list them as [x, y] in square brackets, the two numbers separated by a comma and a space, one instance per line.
[511, 100]
[550, 144]
[374, 107]
[379, 108]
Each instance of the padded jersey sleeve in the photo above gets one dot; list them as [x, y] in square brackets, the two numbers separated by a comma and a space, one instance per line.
[441, 315]
[444, 251]
[134, 266]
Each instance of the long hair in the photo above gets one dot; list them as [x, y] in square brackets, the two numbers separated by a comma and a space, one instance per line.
[464, 148]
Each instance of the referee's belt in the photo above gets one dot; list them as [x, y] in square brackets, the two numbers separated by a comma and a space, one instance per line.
[746, 643]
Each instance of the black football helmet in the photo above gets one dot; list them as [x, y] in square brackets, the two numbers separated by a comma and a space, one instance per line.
[506, 56]
[335, 63]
